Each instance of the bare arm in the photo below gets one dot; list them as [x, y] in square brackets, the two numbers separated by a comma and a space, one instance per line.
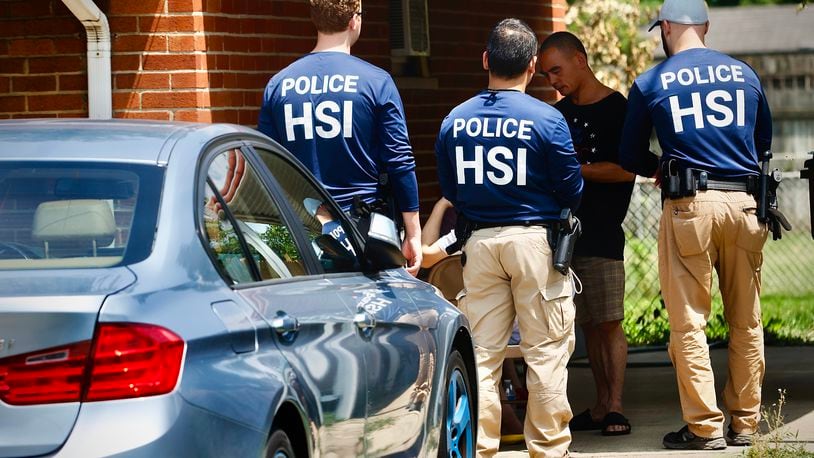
[431, 232]
[432, 228]
[606, 172]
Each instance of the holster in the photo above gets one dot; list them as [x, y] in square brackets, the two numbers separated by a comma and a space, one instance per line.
[807, 173]
[386, 201]
[569, 228]
[767, 205]
[463, 230]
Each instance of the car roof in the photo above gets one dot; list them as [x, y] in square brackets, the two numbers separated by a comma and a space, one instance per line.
[112, 140]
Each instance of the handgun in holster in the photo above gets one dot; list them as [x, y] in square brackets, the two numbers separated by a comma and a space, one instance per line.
[767, 206]
[569, 229]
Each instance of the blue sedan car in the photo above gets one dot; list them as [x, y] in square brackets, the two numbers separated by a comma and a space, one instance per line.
[171, 289]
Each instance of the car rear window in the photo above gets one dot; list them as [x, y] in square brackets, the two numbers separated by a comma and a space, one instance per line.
[76, 215]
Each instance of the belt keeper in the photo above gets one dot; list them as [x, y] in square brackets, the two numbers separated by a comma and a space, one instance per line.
[752, 182]
[702, 181]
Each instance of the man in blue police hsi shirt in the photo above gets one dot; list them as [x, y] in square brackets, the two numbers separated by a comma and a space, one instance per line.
[344, 120]
[506, 162]
[711, 116]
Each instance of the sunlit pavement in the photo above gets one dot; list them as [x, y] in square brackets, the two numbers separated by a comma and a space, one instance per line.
[651, 402]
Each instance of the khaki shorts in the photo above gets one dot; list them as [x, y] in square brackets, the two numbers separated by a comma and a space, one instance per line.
[603, 289]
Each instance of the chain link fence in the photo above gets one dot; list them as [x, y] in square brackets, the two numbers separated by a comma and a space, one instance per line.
[788, 267]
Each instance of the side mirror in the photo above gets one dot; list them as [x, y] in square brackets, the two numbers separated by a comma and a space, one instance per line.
[382, 244]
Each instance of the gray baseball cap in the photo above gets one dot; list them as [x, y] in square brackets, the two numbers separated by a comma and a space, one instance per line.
[690, 12]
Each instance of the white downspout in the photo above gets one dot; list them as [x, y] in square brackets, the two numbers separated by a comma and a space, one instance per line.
[100, 99]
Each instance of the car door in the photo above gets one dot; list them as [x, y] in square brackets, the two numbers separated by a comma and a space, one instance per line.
[397, 349]
[270, 264]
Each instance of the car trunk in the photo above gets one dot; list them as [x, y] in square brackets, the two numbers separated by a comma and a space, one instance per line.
[47, 319]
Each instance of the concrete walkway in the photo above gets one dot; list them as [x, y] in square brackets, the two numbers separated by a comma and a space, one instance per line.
[652, 405]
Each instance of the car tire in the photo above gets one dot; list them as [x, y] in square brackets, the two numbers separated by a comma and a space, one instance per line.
[279, 445]
[458, 419]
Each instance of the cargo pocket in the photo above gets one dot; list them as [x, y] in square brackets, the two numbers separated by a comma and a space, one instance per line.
[751, 237]
[558, 305]
[751, 232]
[692, 231]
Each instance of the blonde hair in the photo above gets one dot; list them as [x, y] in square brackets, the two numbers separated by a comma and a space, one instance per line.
[332, 16]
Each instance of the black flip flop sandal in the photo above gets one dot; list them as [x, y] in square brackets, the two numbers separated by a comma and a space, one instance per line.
[615, 419]
[584, 422]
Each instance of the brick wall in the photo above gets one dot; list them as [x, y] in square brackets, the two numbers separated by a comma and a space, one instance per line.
[208, 60]
[202, 60]
[42, 60]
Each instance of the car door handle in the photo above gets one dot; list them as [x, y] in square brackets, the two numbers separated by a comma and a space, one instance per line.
[286, 326]
[365, 321]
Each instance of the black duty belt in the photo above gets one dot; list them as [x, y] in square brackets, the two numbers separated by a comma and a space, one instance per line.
[534, 222]
[716, 185]
[678, 182]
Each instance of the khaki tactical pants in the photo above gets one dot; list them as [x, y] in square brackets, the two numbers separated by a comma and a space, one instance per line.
[508, 272]
[720, 230]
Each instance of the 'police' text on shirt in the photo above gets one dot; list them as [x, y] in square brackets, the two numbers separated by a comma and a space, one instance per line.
[499, 158]
[719, 108]
[332, 119]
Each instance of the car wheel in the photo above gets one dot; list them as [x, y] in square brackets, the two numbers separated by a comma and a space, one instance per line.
[459, 425]
[279, 446]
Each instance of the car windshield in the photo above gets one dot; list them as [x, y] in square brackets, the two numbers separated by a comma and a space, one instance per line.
[76, 215]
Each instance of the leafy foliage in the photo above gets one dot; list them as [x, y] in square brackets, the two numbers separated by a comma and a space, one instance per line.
[714, 3]
[609, 29]
[279, 239]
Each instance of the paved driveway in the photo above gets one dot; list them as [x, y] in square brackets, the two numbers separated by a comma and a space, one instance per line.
[651, 402]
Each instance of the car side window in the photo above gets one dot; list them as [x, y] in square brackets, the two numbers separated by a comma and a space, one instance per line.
[240, 216]
[327, 230]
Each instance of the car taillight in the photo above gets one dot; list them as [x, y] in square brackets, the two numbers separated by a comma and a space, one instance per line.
[134, 360]
[44, 377]
[127, 361]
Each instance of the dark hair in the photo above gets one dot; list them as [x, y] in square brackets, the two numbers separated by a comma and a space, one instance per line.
[564, 41]
[512, 44]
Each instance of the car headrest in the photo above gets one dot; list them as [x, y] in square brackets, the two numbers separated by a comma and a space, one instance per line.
[84, 219]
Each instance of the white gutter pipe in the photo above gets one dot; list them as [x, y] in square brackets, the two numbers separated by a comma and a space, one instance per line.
[100, 98]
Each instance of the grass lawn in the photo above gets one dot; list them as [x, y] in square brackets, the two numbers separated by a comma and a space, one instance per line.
[787, 295]
[786, 320]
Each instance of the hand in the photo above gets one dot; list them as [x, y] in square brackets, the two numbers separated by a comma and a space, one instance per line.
[412, 242]
[412, 251]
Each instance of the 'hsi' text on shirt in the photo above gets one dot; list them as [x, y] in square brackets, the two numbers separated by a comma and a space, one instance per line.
[334, 119]
[503, 172]
[717, 103]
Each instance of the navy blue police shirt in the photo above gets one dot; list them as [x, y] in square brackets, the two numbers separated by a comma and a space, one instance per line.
[504, 156]
[344, 120]
[709, 111]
